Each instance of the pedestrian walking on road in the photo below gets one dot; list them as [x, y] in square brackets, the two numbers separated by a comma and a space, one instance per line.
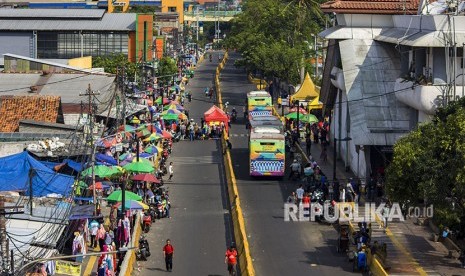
[308, 145]
[168, 252]
[170, 170]
[324, 155]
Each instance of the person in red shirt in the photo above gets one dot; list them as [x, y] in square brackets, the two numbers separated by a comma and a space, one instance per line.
[168, 251]
[231, 259]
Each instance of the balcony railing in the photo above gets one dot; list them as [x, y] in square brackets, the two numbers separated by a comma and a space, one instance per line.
[212, 13]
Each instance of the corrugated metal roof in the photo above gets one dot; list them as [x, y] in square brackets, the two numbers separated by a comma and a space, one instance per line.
[17, 84]
[109, 22]
[67, 86]
[51, 13]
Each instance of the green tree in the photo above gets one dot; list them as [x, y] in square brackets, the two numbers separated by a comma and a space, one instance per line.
[112, 62]
[272, 35]
[166, 68]
[428, 166]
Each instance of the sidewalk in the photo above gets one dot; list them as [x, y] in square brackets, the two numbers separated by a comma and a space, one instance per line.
[410, 249]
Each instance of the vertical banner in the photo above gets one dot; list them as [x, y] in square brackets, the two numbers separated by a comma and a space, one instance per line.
[159, 47]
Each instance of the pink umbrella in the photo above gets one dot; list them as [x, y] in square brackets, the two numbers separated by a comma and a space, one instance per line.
[301, 110]
[146, 177]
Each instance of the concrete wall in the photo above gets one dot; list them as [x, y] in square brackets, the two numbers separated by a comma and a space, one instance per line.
[9, 148]
[82, 62]
[71, 119]
[26, 128]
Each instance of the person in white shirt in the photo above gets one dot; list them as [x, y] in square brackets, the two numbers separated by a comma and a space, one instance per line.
[170, 170]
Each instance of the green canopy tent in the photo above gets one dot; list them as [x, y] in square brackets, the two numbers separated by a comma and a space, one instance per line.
[102, 171]
[117, 196]
[141, 166]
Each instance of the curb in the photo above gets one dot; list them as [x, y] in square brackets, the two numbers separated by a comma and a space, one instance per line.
[130, 258]
[376, 267]
[242, 243]
[401, 248]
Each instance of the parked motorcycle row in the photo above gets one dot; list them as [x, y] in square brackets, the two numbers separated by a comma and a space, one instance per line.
[159, 203]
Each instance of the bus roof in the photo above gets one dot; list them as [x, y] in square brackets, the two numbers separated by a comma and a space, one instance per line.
[266, 119]
[260, 93]
[266, 129]
[255, 123]
[277, 136]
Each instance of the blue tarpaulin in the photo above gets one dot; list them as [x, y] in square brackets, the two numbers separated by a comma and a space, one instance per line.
[105, 159]
[14, 176]
[72, 164]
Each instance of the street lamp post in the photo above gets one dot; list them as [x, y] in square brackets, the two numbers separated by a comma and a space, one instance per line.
[346, 139]
[298, 117]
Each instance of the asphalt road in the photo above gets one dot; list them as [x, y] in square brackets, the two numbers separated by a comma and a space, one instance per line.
[199, 227]
[277, 247]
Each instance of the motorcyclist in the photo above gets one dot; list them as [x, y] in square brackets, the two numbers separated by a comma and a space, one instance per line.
[295, 169]
[210, 57]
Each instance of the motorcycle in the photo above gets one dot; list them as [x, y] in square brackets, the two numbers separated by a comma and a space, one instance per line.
[144, 249]
[147, 222]
[318, 197]
[233, 116]
[160, 210]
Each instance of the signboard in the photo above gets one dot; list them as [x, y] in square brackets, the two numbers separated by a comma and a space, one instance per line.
[119, 147]
[68, 268]
[159, 47]
[285, 101]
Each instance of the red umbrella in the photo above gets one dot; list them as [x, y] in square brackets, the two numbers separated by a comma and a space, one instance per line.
[301, 110]
[165, 134]
[146, 177]
[98, 185]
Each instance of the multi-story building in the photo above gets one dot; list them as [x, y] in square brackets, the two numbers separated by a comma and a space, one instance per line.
[71, 33]
[389, 65]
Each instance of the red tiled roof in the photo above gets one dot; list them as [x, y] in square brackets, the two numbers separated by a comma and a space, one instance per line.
[16, 108]
[371, 7]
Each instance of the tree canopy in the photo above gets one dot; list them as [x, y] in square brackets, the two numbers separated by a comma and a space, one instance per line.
[273, 35]
[112, 62]
[429, 166]
[166, 68]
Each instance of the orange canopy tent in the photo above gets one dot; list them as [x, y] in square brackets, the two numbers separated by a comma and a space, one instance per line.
[215, 114]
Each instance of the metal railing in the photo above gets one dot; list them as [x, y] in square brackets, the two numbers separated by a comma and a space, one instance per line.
[212, 13]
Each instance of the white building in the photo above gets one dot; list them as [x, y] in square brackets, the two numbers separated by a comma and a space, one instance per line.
[389, 66]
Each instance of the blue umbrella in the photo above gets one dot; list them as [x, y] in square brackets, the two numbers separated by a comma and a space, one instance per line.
[106, 159]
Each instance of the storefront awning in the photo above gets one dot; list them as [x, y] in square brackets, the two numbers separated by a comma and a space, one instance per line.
[417, 38]
[395, 35]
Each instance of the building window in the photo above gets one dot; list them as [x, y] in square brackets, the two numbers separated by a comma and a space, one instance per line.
[67, 45]
[171, 9]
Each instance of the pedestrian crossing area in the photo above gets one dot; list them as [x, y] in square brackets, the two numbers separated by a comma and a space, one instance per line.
[196, 160]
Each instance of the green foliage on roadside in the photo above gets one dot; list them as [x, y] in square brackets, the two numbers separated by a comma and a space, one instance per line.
[112, 62]
[167, 67]
[273, 35]
[429, 166]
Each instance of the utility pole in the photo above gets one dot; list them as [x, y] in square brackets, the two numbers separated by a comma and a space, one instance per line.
[5, 251]
[91, 94]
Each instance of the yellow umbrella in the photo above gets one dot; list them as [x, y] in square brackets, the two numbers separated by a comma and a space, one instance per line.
[135, 120]
[153, 137]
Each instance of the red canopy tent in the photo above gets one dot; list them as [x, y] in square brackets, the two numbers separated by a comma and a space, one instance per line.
[215, 114]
